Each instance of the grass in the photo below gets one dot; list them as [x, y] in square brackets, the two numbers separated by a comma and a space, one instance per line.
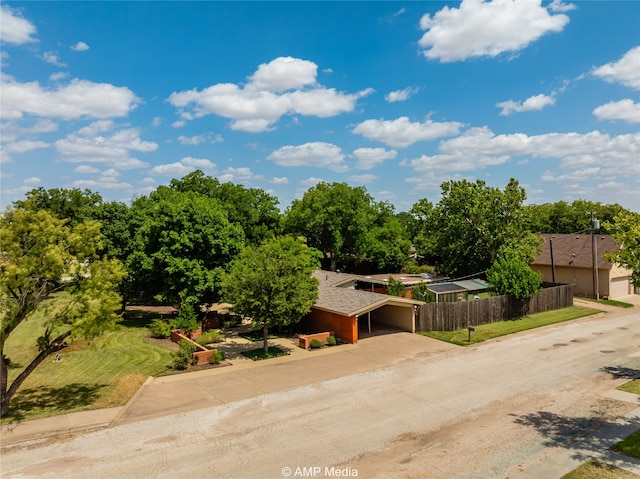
[502, 328]
[89, 376]
[629, 446]
[609, 302]
[257, 335]
[632, 386]
[259, 354]
[593, 469]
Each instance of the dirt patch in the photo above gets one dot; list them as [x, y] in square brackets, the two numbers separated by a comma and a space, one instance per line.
[146, 308]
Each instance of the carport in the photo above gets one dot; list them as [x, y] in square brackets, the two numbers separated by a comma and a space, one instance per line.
[343, 309]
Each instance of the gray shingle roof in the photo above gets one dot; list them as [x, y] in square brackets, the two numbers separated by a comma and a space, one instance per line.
[565, 246]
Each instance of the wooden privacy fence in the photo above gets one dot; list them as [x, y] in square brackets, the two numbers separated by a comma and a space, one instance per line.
[453, 316]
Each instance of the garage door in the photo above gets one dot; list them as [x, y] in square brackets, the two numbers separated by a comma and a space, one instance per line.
[619, 287]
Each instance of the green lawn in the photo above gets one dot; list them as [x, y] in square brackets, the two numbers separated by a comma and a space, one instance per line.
[593, 469]
[609, 302]
[259, 354]
[631, 387]
[629, 446]
[502, 328]
[89, 376]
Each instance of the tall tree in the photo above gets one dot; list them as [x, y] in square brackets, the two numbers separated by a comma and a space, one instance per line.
[562, 217]
[42, 256]
[251, 208]
[182, 246]
[626, 232]
[472, 221]
[70, 204]
[273, 284]
[511, 273]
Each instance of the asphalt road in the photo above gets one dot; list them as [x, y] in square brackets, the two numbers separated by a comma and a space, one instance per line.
[288, 433]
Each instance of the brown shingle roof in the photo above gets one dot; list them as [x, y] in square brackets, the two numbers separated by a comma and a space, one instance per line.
[575, 250]
[349, 301]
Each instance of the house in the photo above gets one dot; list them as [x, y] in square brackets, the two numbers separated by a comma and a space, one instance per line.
[350, 312]
[573, 261]
[452, 292]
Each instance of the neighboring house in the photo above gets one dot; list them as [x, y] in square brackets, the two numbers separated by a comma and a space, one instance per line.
[348, 311]
[572, 256]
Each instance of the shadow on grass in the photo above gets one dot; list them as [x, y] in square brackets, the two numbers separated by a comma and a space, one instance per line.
[618, 372]
[142, 319]
[53, 400]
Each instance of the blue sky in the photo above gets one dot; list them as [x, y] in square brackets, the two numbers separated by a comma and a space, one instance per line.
[120, 97]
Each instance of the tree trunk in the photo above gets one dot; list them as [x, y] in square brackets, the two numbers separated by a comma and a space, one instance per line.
[4, 401]
[6, 394]
[265, 335]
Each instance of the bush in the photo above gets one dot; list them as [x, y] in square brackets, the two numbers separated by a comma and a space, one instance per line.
[209, 337]
[315, 344]
[216, 357]
[183, 356]
[331, 341]
[160, 329]
[187, 319]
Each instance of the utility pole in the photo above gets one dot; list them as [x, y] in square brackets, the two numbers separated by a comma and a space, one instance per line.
[595, 224]
[553, 264]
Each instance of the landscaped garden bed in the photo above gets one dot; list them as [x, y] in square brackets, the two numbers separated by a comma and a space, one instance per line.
[259, 354]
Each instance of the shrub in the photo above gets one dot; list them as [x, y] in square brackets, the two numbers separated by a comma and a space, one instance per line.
[184, 355]
[209, 337]
[160, 329]
[315, 344]
[187, 319]
[331, 341]
[216, 357]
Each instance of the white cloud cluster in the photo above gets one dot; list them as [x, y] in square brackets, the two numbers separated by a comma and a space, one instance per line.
[480, 147]
[371, 157]
[364, 179]
[78, 99]
[202, 138]
[401, 95]
[286, 85]
[184, 166]
[533, 103]
[53, 58]
[80, 47]
[101, 143]
[625, 71]
[14, 28]
[626, 110]
[315, 154]
[480, 28]
[401, 132]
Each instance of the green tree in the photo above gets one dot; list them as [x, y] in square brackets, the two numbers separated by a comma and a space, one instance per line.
[626, 232]
[472, 221]
[512, 275]
[71, 204]
[40, 257]
[395, 287]
[183, 245]
[250, 208]
[273, 284]
[562, 217]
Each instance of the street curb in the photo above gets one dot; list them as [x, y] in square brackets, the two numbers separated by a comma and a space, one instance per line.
[131, 400]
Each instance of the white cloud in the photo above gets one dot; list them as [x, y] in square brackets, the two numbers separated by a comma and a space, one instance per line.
[311, 181]
[184, 166]
[53, 58]
[315, 154]
[238, 175]
[626, 110]
[147, 181]
[108, 183]
[479, 28]
[58, 76]
[401, 95]
[157, 121]
[78, 99]
[284, 73]
[196, 140]
[370, 157]
[178, 123]
[282, 180]
[14, 28]
[33, 180]
[368, 178]
[533, 103]
[401, 133]
[560, 6]
[86, 170]
[286, 85]
[24, 146]
[92, 144]
[80, 47]
[625, 71]
[479, 147]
